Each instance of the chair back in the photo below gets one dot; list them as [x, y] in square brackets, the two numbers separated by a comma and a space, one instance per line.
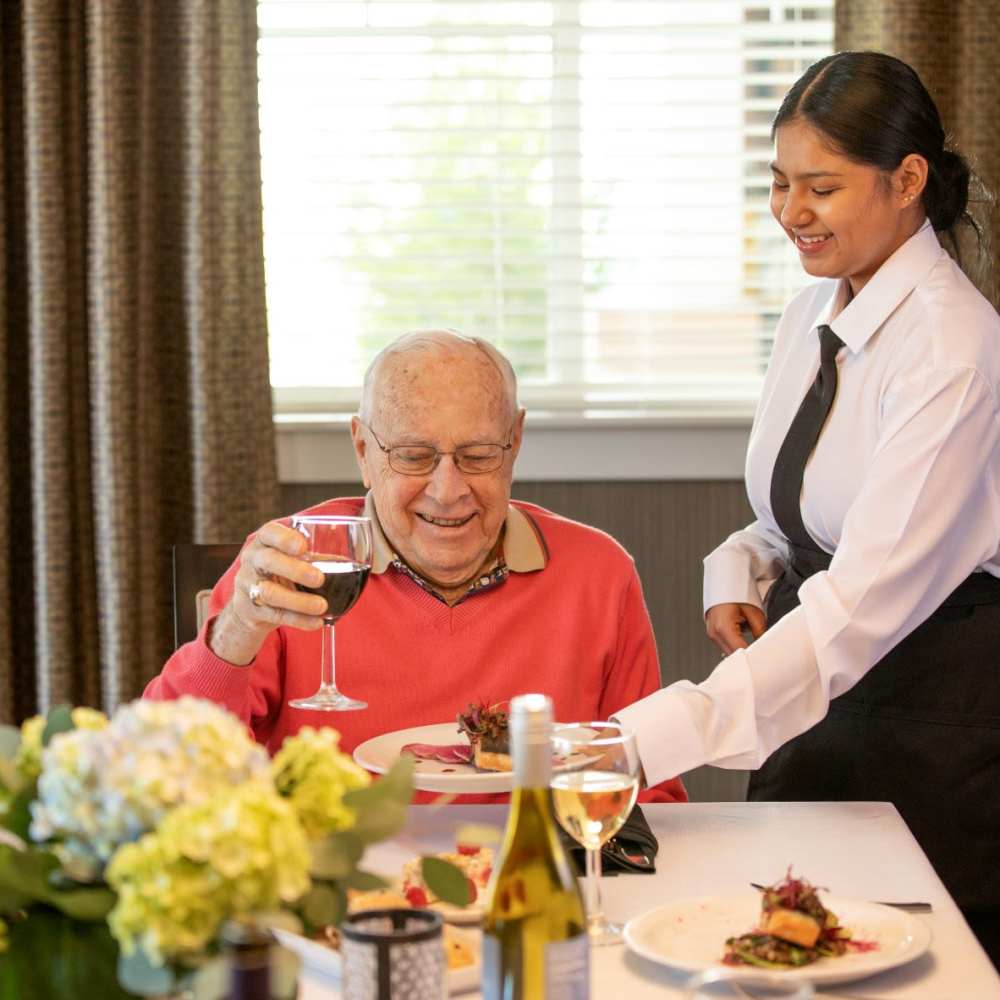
[197, 569]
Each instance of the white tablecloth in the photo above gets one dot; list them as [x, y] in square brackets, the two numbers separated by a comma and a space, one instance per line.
[855, 849]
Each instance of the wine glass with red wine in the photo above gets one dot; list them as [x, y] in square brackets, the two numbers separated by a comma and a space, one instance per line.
[342, 548]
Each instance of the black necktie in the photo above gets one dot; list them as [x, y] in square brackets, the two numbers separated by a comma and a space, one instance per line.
[790, 465]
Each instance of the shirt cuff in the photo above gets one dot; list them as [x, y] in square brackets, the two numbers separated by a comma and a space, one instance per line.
[686, 725]
[728, 580]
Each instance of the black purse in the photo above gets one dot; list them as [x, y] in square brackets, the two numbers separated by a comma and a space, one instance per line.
[631, 850]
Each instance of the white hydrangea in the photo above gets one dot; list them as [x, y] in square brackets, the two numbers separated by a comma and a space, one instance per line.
[100, 788]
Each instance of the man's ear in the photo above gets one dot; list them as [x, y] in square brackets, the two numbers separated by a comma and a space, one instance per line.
[360, 450]
[518, 434]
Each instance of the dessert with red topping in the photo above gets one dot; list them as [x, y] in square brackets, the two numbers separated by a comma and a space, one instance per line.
[475, 862]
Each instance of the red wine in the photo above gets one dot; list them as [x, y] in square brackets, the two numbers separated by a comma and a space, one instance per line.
[342, 585]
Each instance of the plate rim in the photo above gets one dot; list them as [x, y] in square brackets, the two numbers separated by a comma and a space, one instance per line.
[817, 974]
[475, 782]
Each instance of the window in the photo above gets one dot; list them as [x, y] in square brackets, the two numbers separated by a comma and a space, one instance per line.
[584, 182]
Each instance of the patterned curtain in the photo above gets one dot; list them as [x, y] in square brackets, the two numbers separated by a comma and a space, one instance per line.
[134, 395]
[954, 48]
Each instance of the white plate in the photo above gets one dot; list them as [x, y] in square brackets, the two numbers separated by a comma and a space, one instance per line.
[471, 914]
[690, 935]
[381, 752]
[322, 964]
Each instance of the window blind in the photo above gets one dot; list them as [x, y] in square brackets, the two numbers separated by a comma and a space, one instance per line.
[583, 182]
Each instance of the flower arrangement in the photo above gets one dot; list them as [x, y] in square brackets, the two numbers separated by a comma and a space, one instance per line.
[127, 844]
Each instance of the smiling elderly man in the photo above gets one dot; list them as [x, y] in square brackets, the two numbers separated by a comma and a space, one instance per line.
[471, 595]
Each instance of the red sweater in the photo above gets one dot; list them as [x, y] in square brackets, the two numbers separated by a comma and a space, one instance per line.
[576, 630]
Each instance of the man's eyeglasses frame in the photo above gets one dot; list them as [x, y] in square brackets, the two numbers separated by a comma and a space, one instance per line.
[459, 456]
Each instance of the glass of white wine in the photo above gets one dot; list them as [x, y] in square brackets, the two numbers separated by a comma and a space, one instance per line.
[594, 788]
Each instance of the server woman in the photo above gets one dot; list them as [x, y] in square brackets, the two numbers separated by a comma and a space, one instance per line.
[869, 580]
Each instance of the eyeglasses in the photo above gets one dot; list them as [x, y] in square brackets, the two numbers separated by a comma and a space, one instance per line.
[422, 459]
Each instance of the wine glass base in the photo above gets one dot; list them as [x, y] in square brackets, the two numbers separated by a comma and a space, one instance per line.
[603, 933]
[323, 702]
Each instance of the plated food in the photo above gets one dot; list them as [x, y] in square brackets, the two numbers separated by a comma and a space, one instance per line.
[689, 934]
[475, 862]
[486, 729]
[794, 929]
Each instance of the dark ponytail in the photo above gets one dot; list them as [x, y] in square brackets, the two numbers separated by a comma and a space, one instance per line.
[874, 109]
[947, 192]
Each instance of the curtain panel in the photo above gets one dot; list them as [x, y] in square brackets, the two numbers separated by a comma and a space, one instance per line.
[952, 44]
[134, 395]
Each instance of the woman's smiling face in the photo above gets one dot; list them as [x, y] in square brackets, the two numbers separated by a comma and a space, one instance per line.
[845, 218]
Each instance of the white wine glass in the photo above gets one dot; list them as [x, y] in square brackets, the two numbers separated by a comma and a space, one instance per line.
[342, 548]
[592, 794]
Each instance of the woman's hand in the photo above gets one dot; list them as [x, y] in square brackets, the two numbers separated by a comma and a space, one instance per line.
[725, 623]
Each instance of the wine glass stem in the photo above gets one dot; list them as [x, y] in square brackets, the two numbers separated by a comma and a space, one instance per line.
[595, 908]
[328, 670]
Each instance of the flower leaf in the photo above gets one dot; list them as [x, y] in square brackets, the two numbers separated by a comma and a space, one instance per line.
[324, 904]
[364, 881]
[446, 881]
[59, 720]
[86, 903]
[137, 974]
[17, 817]
[24, 876]
[336, 856]
[382, 807]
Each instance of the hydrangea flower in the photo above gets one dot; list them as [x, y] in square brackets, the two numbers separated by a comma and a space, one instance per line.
[29, 754]
[100, 788]
[312, 772]
[240, 853]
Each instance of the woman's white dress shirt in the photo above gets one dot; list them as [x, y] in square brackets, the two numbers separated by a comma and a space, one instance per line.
[903, 487]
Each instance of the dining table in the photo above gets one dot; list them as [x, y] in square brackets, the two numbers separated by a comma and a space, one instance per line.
[854, 850]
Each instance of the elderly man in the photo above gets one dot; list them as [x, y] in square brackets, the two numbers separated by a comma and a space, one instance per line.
[470, 596]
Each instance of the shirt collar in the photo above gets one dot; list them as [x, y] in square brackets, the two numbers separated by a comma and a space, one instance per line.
[524, 549]
[862, 316]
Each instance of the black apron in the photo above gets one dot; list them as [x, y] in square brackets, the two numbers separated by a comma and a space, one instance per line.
[921, 730]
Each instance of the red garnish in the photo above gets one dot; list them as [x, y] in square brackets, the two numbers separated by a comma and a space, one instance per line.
[416, 897]
[467, 848]
[862, 945]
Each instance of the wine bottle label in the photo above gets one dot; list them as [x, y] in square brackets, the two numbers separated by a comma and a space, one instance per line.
[567, 969]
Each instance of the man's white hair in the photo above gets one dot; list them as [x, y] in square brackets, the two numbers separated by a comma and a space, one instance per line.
[444, 341]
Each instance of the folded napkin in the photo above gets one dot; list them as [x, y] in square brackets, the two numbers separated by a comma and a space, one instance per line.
[631, 850]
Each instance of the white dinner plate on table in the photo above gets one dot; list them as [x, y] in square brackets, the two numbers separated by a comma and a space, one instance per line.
[321, 965]
[381, 752]
[690, 935]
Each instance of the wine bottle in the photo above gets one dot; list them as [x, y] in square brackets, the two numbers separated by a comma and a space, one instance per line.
[535, 944]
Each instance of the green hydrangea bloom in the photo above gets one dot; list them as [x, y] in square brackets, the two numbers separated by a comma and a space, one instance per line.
[29, 754]
[243, 852]
[28, 759]
[312, 772]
